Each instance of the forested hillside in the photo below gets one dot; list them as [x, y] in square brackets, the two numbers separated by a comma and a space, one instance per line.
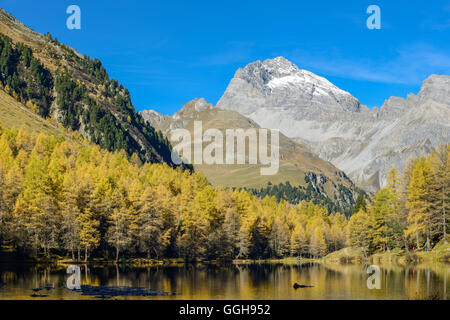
[24, 77]
[55, 81]
[312, 192]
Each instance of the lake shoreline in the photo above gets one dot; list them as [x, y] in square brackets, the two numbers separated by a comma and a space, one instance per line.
[141, 262]
[343, 256]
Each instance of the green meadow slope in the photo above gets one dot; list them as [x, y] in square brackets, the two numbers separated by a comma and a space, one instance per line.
[15, 115]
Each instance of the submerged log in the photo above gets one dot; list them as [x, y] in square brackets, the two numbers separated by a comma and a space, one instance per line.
[301, 286]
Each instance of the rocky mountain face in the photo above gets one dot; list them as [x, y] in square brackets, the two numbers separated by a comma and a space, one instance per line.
[363, 143]
[155, 119]
[298, 165]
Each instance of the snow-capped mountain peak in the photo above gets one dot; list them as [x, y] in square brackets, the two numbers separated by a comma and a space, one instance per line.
[281, 84]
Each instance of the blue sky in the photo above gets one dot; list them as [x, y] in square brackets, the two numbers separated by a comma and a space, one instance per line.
[169, 52]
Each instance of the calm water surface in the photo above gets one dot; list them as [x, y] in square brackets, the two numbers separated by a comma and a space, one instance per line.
[255, 281]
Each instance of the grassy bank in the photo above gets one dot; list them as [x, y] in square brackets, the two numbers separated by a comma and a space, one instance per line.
[346, 255]
[440, 253]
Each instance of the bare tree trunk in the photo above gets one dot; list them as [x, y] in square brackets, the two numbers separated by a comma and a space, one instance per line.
[117, 254]
[85, 254]
[445, 285]
[406, 244]
[117, 276]
[417, 240]
[444, 226]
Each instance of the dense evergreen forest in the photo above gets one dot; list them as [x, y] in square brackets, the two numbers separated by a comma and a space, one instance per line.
[296, 194]
[24, 77]
[78, 110]
[74, 199]
[27, 80]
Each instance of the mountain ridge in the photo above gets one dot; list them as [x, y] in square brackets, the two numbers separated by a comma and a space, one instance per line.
[363, 142]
